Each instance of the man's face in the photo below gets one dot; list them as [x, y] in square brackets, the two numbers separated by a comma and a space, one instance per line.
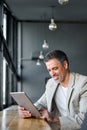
[57, 70]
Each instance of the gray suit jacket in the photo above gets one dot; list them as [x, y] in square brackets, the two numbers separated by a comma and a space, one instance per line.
[84, 124]
[76, 101]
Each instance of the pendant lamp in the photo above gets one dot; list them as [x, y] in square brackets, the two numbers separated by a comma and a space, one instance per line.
[52, 25]
[38, 62]
[63, 2]
[45, 45]
[41, 56]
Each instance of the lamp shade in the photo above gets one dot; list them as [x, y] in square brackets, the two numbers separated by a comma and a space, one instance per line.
[38, 62]
[41, 56]
[45, 45]
[52, 25]
[62, 2]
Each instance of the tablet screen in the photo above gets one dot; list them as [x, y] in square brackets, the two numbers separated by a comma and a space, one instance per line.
[23, 100]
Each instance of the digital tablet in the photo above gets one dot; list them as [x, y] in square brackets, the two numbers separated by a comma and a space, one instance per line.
[23, 100]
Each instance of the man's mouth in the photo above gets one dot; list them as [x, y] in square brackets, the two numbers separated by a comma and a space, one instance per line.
[56, 78]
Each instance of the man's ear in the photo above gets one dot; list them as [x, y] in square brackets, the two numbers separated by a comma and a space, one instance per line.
[65, 64]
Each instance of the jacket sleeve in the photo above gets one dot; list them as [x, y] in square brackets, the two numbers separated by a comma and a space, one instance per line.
[41, 102]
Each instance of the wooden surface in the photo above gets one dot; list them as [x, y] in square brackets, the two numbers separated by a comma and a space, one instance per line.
[10, 120]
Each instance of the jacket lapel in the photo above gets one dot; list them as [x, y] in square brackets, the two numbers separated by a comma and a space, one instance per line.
[50, 96]
[70, 88]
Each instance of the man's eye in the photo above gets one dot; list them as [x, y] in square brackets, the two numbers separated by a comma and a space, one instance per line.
[56, 68]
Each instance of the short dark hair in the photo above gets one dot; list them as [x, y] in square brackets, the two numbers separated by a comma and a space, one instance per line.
[57, 54]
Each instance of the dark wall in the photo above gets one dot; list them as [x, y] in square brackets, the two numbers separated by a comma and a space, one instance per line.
[71, 38]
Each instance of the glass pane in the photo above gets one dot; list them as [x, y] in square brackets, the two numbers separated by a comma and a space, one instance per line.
[4, 80]
[5, 25]
[4, 61]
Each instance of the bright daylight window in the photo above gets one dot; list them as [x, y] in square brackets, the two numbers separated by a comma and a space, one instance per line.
[4, 61]
[4, 80]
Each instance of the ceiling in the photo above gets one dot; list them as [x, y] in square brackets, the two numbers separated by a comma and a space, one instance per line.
[75, 10]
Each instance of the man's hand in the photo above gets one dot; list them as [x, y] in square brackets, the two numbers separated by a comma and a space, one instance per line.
[46, 116]
[24, 113]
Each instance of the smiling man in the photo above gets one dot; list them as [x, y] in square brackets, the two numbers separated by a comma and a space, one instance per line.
[64, 102]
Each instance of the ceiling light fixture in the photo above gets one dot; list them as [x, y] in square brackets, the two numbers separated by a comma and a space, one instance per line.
[45, 45]
[63, 2]
[38, 62]
[52, 25]
[41, 56]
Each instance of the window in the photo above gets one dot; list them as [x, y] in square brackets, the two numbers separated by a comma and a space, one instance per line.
[4, 60]
[4, 81]
[4, 25]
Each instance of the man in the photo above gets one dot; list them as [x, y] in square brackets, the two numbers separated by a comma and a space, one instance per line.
[64, 103]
